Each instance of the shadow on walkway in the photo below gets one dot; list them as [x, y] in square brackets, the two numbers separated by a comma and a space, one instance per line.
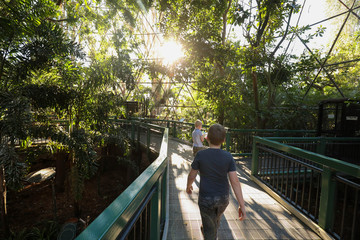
[266, 218]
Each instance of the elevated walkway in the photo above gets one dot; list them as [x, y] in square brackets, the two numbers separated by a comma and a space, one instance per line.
[266, 218]
[312, 183]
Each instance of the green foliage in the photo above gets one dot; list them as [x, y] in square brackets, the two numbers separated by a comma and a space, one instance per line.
[31, 41]
[45, 75]
[82, 145]
[19, 235]
[84, 161]
[14, 168]
[115, 135]
[45, 231]
[15, 116]
[41, 75]
[240, 15]
[129, 164]
[345, 66]
[226, 72]
[42, 96]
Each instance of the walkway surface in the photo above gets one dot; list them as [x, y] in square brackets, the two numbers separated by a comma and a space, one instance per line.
[266, 218]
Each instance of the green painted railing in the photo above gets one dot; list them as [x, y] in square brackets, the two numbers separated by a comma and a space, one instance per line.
[342, 148]
[140, 212]
[314, 186]
[311, 185]
[177, 129]
[238, 141]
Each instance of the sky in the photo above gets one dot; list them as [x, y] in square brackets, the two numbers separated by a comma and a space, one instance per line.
[315, 11]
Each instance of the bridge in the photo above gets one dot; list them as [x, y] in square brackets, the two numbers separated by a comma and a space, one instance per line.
[266, 218]
[156, 205]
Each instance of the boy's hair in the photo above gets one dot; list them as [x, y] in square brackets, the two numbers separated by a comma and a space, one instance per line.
[198, 123]
[216, 134]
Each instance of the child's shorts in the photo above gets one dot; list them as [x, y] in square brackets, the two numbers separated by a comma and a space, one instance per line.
[211, 210]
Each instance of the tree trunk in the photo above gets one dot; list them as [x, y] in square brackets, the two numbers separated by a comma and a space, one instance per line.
[256, 98]
[77, 209]
[5, 223]
[60, 158]
[221, 116]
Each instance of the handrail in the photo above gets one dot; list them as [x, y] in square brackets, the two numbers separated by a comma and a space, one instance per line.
[347, 168]
[271, 130]
[282, 169]
[111, 223]
[237, 140]
[315, 138]
[150, 188]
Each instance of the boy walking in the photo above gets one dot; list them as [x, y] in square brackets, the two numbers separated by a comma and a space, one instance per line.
[215, 166]
[197, 137]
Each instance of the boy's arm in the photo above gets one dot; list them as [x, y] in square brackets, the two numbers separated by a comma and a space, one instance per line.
[236, 186]
[190, 180]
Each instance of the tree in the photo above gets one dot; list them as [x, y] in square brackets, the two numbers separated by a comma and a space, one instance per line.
[29, 43]
[202, 30]
[343, 62]
[44, 72]
[265, 26]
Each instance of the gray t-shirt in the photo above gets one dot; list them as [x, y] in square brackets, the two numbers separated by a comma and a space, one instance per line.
[196, 134]
[214, 166]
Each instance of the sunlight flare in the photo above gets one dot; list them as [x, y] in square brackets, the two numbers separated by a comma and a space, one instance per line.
[170, 52]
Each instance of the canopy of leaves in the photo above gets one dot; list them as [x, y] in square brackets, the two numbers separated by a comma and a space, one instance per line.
[51, 65]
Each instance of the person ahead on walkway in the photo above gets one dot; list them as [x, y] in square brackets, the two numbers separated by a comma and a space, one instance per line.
[215, 166]
[197, 137]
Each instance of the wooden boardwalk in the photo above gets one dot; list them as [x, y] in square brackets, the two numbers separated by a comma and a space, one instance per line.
[266, 218]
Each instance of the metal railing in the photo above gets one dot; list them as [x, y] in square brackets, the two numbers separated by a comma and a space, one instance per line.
[140, 212]
[318, 187]
[238, 141]
[342, 148]
[177, 129]
[321, 188]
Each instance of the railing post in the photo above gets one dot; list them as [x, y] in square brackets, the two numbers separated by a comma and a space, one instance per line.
[155, 213]
[327, 199]
[277, 133]
[138, 137]
[255, 159]
[321, 146]
[132, 130]
[164, 194]
[138, 127]
[174, 129]
[148, 142]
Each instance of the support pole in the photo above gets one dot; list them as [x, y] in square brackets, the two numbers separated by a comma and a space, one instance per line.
[155, 213]
[327, 199]
[255, 159]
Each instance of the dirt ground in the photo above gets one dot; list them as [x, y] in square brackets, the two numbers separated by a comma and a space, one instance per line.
[34, 204]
